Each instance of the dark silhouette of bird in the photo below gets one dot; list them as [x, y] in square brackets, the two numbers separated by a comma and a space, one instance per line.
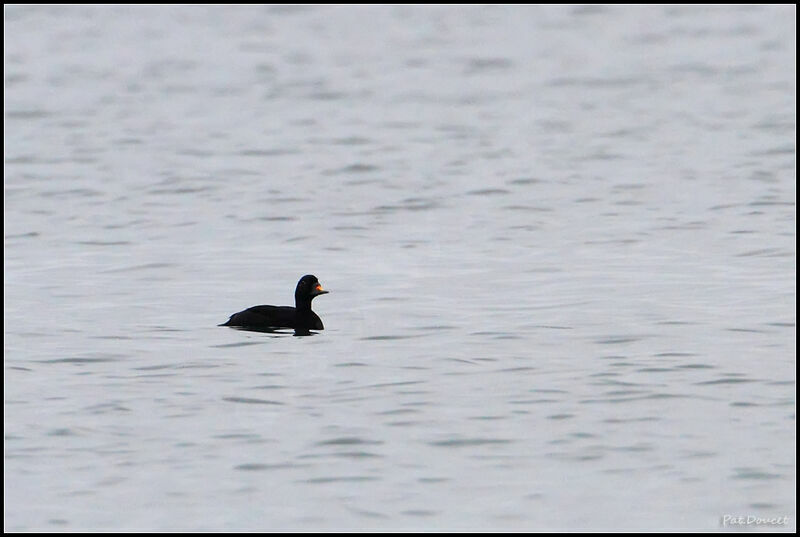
[300, 317]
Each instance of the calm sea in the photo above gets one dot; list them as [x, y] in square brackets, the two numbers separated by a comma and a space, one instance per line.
[560, 244]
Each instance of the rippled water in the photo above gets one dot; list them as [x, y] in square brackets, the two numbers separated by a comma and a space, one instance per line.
[560, 243]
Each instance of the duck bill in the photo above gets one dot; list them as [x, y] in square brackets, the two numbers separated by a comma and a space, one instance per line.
[318, 290]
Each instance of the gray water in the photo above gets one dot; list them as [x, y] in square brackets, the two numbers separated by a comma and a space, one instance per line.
[560, 244]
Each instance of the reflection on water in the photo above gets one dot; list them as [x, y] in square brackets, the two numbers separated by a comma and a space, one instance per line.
[562, 241]
[276, 332]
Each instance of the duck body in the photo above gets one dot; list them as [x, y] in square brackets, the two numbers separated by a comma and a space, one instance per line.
[300, 317]
[265, 317]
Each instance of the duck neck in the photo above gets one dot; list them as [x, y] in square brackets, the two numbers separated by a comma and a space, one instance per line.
[303, 303]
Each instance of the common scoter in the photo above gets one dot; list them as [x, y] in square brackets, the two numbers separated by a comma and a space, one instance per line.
[300, 317]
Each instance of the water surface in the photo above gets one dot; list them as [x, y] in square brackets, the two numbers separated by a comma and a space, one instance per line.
[560, 243]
